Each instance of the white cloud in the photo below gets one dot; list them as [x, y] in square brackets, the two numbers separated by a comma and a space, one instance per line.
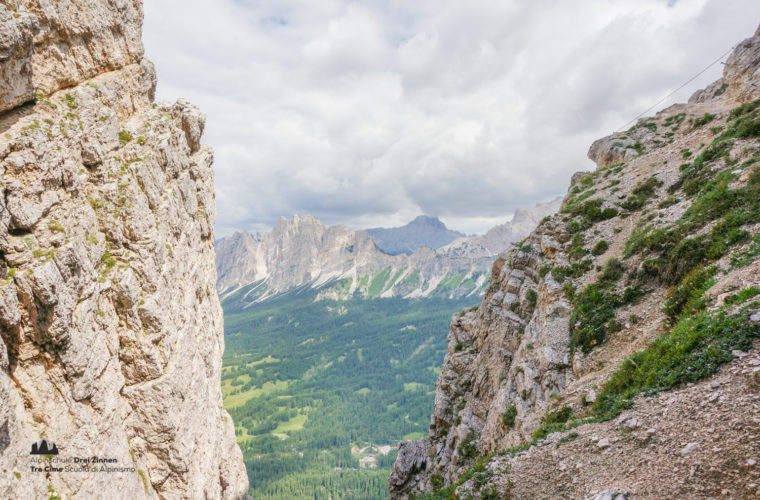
[370, 113]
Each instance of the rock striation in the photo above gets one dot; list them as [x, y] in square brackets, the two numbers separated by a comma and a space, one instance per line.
[112, 334]
[517, 407]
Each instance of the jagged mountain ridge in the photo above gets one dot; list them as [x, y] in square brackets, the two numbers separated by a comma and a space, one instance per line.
[535, 397]
[302, 251]
[423, 231]
[112, 336]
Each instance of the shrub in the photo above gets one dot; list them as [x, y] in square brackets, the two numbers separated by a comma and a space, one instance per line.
[107, 260]
[508, 418]
[575, 270]
[436, 481]
[695, 348]
[468, 448]
[746, 256]
[613, 270]
[569, 437]
[703, 120]
[531, 296]
[743, 295]
[553, 422]
[668, 201]
[641, 193]
[744, 109]
[70, 101]
[594, 309]
[124, 137]
[573, 227]
[56, 227]
[648, 186]
[631, 295]
[577, 252]
[600, 247]
[688, 296]
[748, 128]
[544, 269]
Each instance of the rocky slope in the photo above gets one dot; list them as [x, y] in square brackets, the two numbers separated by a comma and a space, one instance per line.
[111, 331]
[645, 282]
[423, 231]
[302, 251]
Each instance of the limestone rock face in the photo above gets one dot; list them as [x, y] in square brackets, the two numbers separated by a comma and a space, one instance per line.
[72, 41]
[112, 334]
[410, 467]
[16, 47]
[512, 351]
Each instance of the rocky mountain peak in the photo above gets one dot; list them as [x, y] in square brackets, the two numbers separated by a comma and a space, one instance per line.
[424, 220]
[423, 231]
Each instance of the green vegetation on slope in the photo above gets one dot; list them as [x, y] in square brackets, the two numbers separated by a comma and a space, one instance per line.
[305, 381]
[693, 350]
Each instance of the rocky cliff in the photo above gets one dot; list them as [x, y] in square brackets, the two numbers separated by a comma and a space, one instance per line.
[615, 354]
[111, 331]
[303, 252]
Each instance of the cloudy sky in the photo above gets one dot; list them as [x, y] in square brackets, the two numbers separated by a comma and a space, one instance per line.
[370, 113]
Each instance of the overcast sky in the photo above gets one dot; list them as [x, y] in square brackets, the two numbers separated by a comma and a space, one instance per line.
[371, 113]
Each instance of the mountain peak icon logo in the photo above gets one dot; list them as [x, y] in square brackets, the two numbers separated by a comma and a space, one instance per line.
[44, 447]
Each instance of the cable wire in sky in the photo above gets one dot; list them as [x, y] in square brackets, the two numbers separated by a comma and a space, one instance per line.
[676, 90]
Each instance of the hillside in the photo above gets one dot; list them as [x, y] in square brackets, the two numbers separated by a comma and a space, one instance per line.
[111, 334]
[615, 353]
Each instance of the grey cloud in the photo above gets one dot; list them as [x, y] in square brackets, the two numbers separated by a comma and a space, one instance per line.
[369, 113]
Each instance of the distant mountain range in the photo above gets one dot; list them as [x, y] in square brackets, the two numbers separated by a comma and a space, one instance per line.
[423, 231]
[302, 251]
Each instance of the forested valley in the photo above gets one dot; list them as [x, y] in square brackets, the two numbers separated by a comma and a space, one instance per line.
[321, 391]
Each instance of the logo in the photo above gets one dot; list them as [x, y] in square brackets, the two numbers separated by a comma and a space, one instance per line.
[43, 447]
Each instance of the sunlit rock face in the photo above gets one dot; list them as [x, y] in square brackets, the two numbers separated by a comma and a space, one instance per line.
[111, 331]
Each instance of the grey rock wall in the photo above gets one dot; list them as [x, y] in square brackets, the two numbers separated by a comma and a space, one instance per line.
[112, 334]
